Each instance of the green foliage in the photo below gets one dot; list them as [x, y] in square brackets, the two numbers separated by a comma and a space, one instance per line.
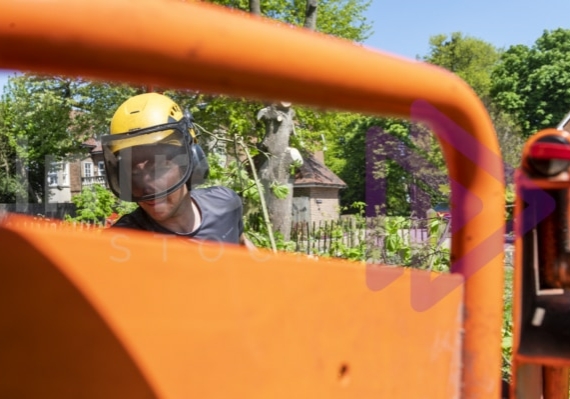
[401, 155]
[511, 141]
[340, 248]
[533, 83]
[341, 18]
[396, 250]
[35, 120]
[95, 103]
[470, 58]
[234, 175]
[342, 138]
[294, 168]
[354, 248]
[313, 129]
[475, 61]
[507, 330]
[95, 204]
[280, 191]
[345, 239]
[400, 249]
[228, 118]
[123, 207]
[346, 157]
[510, 197]
[45, 119]
[384, 239]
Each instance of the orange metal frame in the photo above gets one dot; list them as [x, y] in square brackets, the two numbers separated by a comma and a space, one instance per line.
[537, 374]
[259, 329]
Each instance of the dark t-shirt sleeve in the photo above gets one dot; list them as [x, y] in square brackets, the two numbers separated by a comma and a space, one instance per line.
[221, 211]
[135, 220]
[222, 214]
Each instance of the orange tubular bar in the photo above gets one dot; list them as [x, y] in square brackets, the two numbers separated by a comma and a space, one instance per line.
[199, 46]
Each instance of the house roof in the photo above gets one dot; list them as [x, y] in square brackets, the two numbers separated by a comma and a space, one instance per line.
[93, 145]
[313, 173]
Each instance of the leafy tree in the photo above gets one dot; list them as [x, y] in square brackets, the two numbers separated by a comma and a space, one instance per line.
[533, 83]
[475, 61]
[412, 165]
[511, 141]
[44, 119]
[95, 103]
[36, 126]
[274, 123]
[340, 18]
[469, 58]
[347, 159]
[394, 161]
[408, 162]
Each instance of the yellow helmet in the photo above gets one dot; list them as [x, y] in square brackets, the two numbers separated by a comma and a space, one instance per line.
[142, 112]
[153, 127]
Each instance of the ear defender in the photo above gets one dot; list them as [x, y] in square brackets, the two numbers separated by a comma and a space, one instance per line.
[200, 167]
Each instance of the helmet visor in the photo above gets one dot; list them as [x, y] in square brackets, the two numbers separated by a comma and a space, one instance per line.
[147, 165]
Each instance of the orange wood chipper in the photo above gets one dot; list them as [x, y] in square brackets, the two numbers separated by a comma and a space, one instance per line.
[90, 315]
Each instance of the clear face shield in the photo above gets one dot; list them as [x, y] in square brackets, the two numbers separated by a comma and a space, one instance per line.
[147, 164]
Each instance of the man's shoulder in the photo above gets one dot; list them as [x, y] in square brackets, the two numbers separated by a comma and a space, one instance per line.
[215, 193]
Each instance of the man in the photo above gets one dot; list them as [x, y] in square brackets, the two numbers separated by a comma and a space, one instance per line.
[152, 158]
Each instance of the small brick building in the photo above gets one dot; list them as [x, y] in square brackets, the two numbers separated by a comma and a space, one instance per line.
[316, 191]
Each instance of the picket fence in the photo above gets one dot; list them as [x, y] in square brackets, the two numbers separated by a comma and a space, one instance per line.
[350, 232]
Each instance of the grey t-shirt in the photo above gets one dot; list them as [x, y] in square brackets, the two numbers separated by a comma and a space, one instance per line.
[221, 210]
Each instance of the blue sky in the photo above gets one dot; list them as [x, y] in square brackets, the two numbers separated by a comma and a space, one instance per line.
[404, 27]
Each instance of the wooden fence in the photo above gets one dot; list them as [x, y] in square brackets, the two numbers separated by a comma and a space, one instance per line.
[333, 236]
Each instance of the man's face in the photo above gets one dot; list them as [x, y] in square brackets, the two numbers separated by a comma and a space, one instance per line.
[154, 173]
[143, 165]
[165, 208]
[155, 169]
[151, 170]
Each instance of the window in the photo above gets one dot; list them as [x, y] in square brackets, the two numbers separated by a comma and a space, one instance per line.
[65, 174]
[101, 166]
[58, 174]
[87, 169]
[52, 178]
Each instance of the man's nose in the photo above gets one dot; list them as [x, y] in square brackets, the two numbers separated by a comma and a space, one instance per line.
[143, 175]
[144, 171]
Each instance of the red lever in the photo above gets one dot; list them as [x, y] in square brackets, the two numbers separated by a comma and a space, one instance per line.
[550, 151]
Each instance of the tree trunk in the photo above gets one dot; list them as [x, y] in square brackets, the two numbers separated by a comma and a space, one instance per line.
[278, 120]
[254, 7]
[311, 14]
[275, 169]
